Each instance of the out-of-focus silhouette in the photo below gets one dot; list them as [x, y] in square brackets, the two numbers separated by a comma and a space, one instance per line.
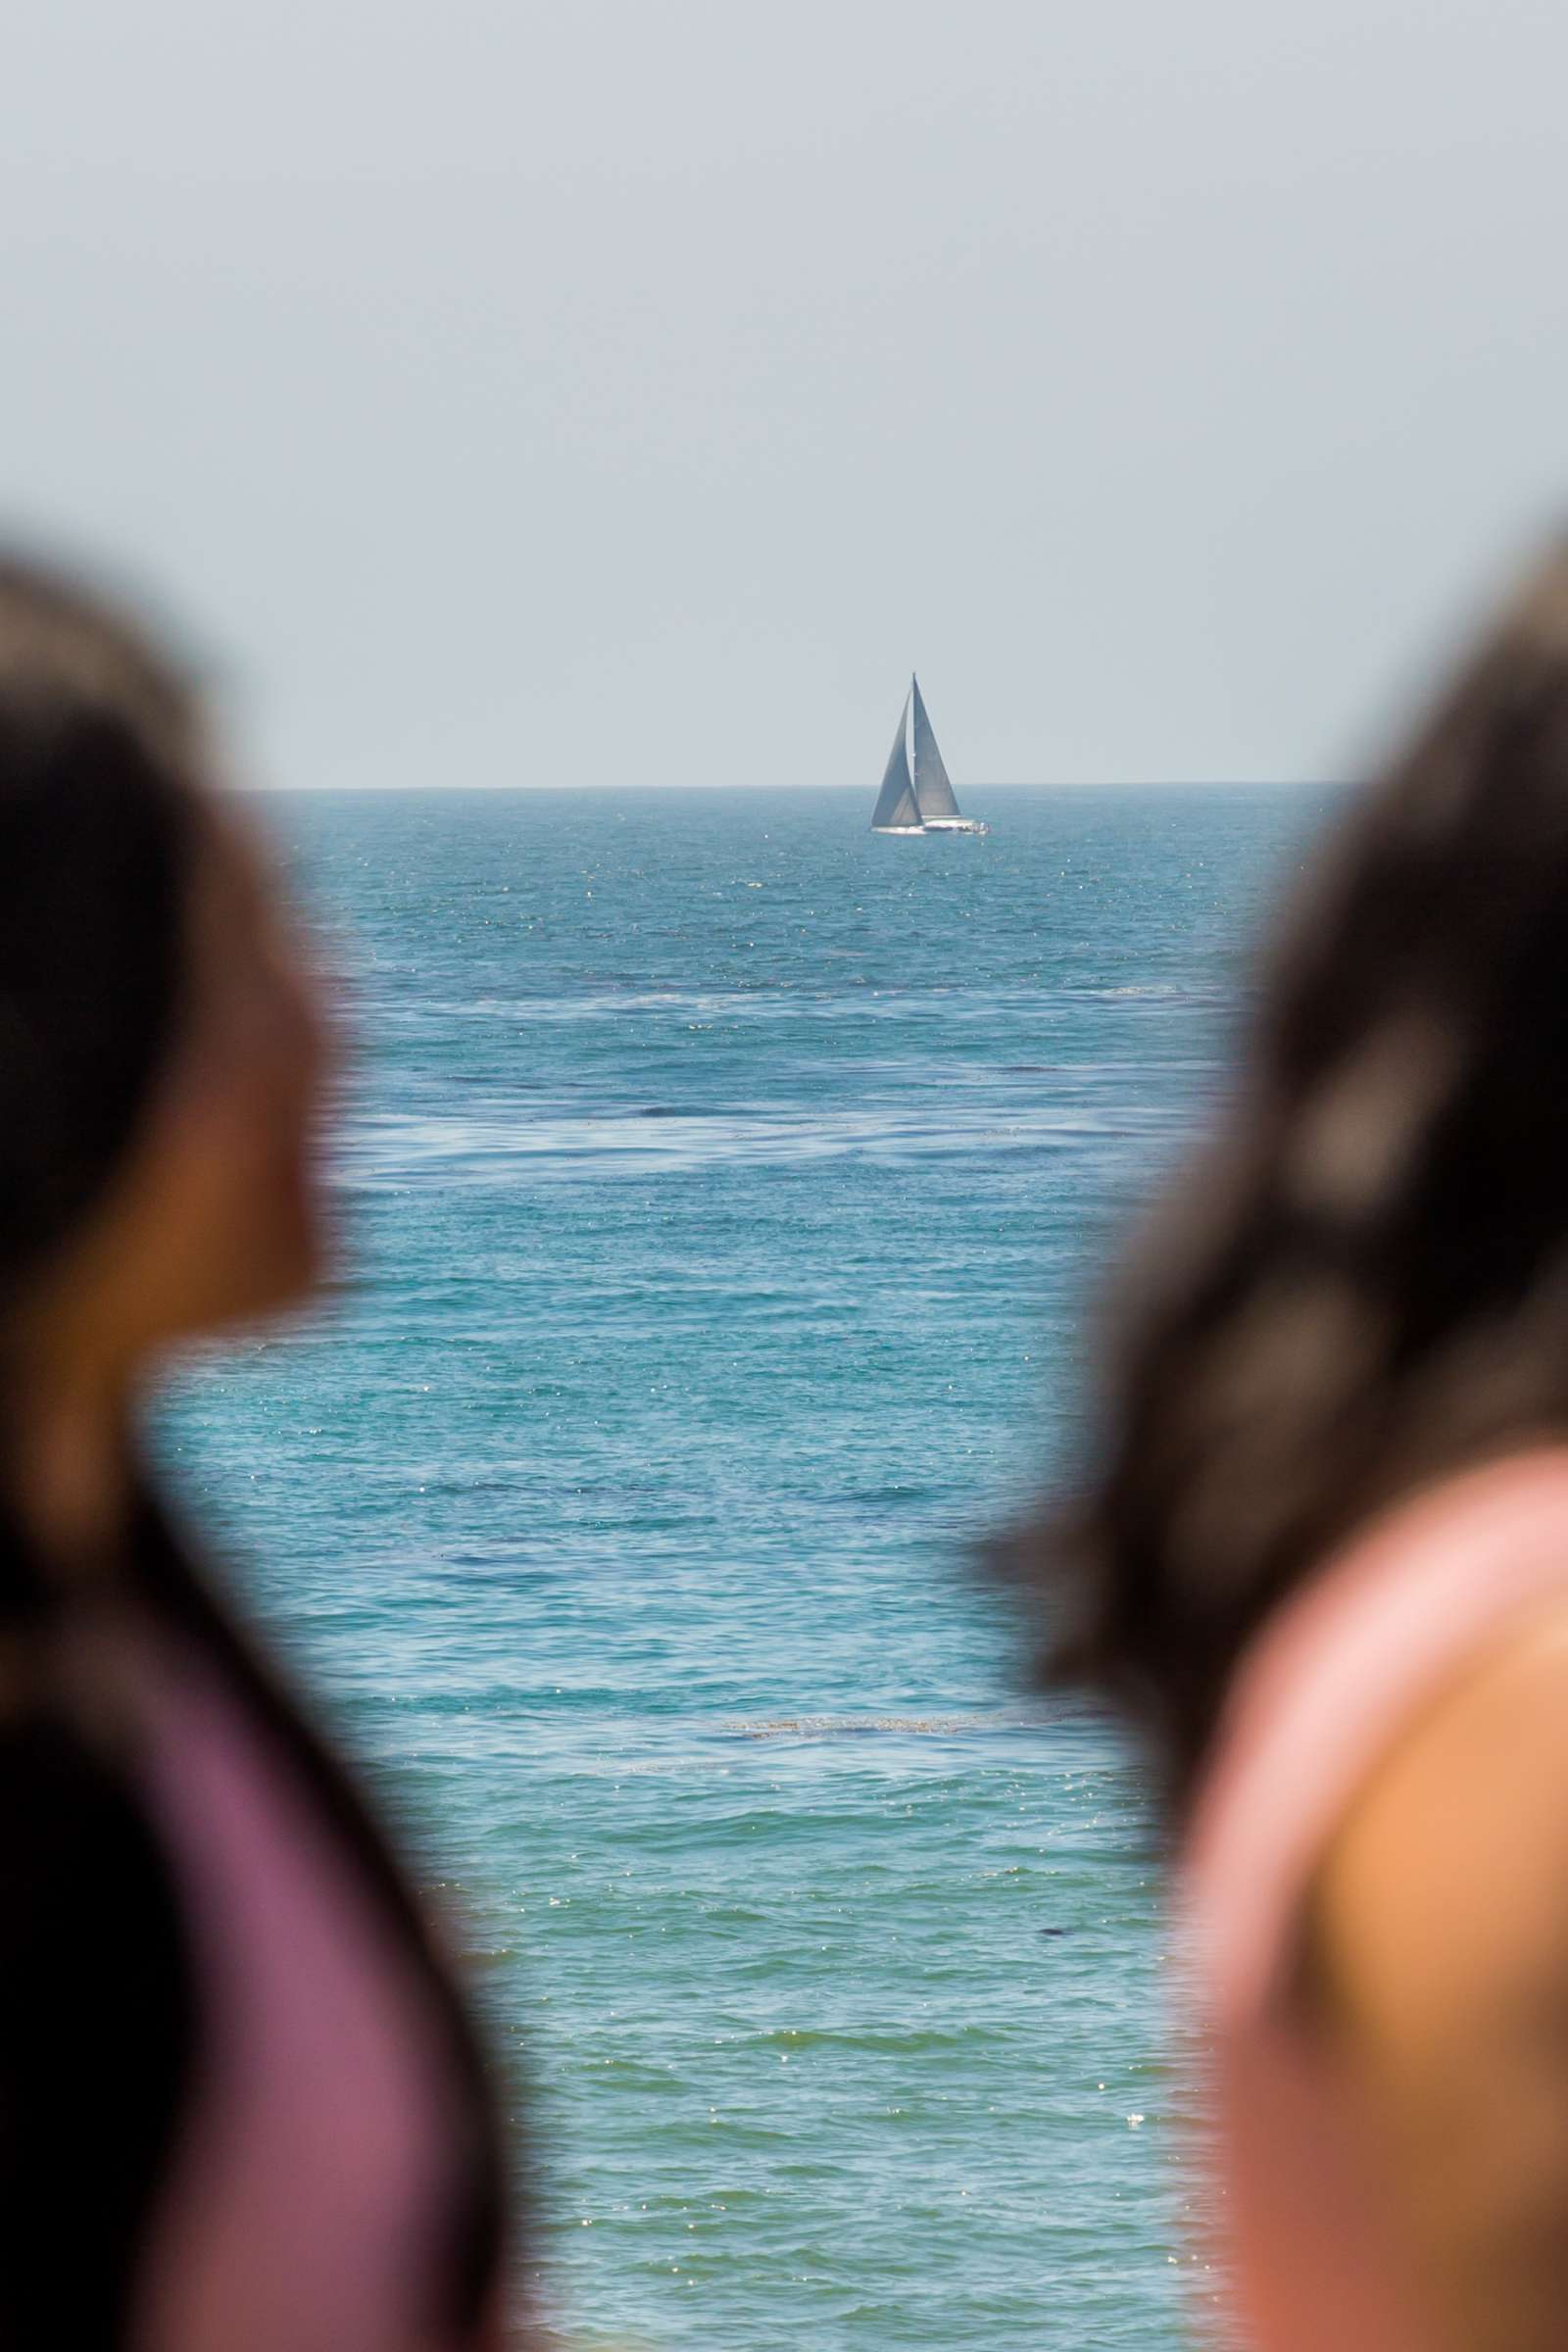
[1319, 1552]
[241, 2104]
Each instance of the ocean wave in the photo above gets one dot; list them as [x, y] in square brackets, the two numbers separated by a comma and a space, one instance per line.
[859, 996]
[867, 1727]
[661, 1139]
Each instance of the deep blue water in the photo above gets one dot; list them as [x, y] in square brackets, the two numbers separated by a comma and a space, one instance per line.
[719, 1186]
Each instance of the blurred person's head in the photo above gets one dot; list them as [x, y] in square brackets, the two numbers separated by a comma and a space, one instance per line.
[160, 1048]
[1362, 1282]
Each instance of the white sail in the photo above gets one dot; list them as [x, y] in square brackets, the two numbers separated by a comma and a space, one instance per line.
[896, 810]
[917, 795]
[933, 789]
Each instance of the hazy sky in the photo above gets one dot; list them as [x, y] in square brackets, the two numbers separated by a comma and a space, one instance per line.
[625, 391]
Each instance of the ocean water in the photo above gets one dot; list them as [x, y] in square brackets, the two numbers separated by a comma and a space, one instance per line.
[719, 1186]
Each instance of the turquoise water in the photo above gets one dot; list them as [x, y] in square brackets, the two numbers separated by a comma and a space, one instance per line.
[718, 1187]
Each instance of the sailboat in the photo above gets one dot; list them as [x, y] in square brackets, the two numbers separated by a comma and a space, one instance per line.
[916, 795]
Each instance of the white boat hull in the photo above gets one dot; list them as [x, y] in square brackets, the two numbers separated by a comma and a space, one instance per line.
[954, 824]
[908, 831]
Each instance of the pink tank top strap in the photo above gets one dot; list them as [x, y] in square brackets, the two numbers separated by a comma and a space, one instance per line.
[1329, 1682]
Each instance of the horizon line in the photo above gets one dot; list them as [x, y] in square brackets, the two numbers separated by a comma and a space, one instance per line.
[265, 791]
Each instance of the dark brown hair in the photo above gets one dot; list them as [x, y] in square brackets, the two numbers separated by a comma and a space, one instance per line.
[1361, 1281]
[99, 753]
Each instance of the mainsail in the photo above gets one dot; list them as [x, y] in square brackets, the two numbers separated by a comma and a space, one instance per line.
[933, 791]
[897, 808]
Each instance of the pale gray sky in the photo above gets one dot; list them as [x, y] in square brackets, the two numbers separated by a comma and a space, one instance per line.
[623, 391]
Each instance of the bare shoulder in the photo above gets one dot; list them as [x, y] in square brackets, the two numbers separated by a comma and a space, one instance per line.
[1438, 1922]
[1452, 1865]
